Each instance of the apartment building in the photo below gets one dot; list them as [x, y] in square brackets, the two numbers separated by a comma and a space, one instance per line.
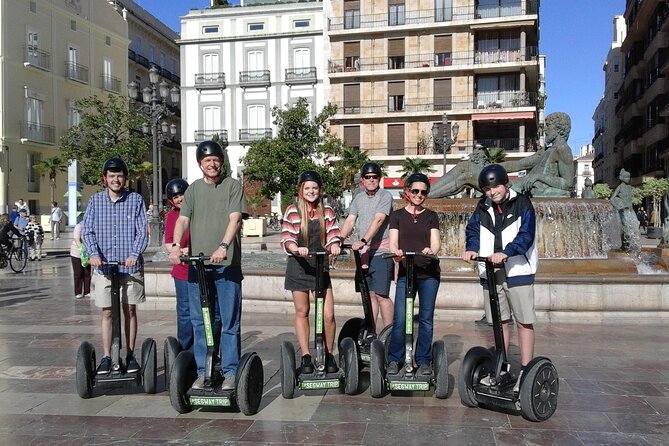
[583, 167]
[643, 98]
[607, 159]
[238, 63]
[53, 52]
[402, 73]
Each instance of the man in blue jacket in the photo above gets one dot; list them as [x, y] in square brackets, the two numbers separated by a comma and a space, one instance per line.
[502, 228]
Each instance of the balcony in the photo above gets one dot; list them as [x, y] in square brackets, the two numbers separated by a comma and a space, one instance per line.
[110, 83]
[143, 61]
[210, 80]
[32, 131]
[504, 99]
[298, 76]
[508, 144]
[246, 136]
[202, 135]
[76, 72]
[35, 57]
[132, 55]
[253, 79]
[394, 106]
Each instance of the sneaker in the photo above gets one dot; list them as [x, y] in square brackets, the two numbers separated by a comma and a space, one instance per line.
[516, 387]
[483, 322]
[424, 370]
[331, 364]
[198, 384]
[133, 366]
[78, 296]
[393, 368]
[307, 365]
[105, 366]
[87, 295]
[485, 381]
[229, 383]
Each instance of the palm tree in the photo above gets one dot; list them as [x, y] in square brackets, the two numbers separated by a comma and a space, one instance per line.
[350, 162]
[494, 155]
[51, 167]
[145, 172]
[415, 165]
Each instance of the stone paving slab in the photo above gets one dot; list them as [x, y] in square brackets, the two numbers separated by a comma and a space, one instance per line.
[614, 385]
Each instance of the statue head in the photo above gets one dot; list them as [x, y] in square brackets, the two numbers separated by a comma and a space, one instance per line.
[624, 176]
[588, 182]
[557, 124]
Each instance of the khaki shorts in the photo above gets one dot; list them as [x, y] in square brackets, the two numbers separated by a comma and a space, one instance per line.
[131, 289]
[520, 297]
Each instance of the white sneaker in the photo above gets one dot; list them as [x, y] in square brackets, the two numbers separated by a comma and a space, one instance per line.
[78, 296]
[516, 387]
[198, 384]
[229, 383]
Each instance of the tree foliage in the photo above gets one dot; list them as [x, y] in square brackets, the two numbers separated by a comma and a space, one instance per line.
[656, 188]
[494, 155]
[415, 165]
[301, 143]
[226, 169]
[602, 190]
[51, 167]
[107, 128]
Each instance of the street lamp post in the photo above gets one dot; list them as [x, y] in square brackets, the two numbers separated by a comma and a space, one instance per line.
[450, 135]
[155, 107]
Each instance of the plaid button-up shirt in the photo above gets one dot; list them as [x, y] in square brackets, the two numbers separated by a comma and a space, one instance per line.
[117, 230]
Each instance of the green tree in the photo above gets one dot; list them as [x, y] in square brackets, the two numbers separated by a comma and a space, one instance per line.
[51, 167]
[301, 143]
[415, 165]
[656, 188]
[107, 128]
[226, 169]
[349, 164]
[494, 155]
[145, 172]
[637, 196]
[602, 190]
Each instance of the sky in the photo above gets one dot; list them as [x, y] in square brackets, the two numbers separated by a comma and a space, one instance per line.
[575, 36]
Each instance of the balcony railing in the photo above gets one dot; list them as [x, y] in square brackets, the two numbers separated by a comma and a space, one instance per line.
[210, 80]
[37, 58]
[41, 133]
[110, 83]
[429, 60]
[76, 72]
[132, 55]
[509, 144]
[248, 135]
[505, 99]
[202, 135]
[296, 76]
[257, 78]
[143, 61]
[435, 15]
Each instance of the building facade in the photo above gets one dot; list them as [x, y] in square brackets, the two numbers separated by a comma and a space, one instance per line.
[584, 169]
[643, 99]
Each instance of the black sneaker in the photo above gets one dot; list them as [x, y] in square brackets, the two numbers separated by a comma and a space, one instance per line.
[331, 364]
[393, 368]
[105, 366]
[425, 370]
[133, 366]
[307, 366]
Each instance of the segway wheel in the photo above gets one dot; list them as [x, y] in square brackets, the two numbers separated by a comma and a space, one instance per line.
[377, 369]
[85, 370]
[18, 260]
[539, 391]
[287, 370]
[184, 374]
[440, 368]
[249, 385]
[351, 329]
[149, 365]
[350, 362]
[171, 349]
[384, 336]
[476, 364]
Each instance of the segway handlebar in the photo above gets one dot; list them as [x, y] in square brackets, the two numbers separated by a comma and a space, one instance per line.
[411, 253]
[310, 254]
[487, 262]
[198, 258]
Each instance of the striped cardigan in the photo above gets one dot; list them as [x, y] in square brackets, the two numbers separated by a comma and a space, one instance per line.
[291, 226]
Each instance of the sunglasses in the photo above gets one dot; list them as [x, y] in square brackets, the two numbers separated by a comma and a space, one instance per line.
[371, 177]
[423, 192]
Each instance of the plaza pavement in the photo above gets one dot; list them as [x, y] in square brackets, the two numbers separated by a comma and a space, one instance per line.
[614, 384]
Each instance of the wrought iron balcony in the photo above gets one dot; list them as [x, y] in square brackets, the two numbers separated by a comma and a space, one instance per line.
[210, 80]
[76, 72]
[295, 76]
[37, 58]
[131, 55]
[143, 61]
[32, 131]
[110, 83]
[248, 135]
[258, 78]
[202, 135]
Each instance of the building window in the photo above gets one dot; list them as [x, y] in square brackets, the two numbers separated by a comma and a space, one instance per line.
[396, 103]
[352, 19]
[73, 115]
[616, 68]
[33, 176]
[138, 46]
[255, 117]
[256, 26]
[301, 60]
[107, 40]
[396, 14]
[443, 10]
[152, 52]
[73, 25]
[301, 23]
[33, 7]
[210, 29]
[211, 117]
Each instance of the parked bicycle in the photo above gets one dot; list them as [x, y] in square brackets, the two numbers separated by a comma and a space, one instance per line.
[15, 256]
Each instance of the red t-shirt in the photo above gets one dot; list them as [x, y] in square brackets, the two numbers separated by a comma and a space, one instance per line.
[178, 271]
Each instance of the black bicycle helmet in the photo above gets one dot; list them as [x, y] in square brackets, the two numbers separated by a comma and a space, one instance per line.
[310, 175]
[493, 175]
[370, 168]
[417, 178]
[115, 164]
[208, 148]
[176, 187]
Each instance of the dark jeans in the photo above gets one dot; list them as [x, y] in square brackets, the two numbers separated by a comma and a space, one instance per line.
[82, 276]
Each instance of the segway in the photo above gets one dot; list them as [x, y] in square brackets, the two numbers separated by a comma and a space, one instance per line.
[407, 379]
[247, 393]
[537, 399]
[86, 375]
[291, 377]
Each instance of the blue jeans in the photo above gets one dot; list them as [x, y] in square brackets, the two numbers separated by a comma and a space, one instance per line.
[225, 287]
[427, 296]
[184, 325]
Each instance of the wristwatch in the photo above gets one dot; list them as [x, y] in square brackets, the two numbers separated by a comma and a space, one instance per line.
[362, 240]
[223, 245]
[176, 244]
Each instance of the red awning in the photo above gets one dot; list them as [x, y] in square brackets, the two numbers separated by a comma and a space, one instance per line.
[507, 115]
[398, 183]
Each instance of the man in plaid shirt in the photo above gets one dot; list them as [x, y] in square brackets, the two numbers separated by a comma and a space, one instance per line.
[115, 230]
